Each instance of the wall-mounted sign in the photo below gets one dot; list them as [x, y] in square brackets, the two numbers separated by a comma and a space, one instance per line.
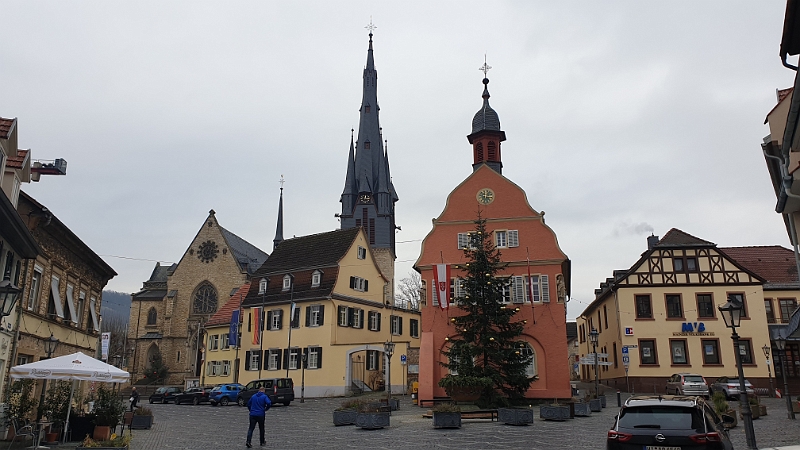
[693, 329]
[628, 331]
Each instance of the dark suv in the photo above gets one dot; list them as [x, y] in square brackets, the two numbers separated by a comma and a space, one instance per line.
[669, 421]
[165, 394]
[280, 390]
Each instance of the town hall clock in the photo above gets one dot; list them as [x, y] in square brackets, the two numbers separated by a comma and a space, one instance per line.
[485, 196]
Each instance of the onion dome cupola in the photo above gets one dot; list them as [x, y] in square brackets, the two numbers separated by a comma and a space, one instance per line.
[486, 134]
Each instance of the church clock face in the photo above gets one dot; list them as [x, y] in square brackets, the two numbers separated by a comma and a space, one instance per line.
[485, 196]
[208, 251]
[365, 198]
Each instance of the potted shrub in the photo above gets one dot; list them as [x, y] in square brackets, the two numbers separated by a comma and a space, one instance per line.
[21, 402]
[755, 411]
[462, 388]
[516, 416]
[372, 416]
[142, 418]
[115, 443]
[108, 409]
[347, 412]
[446, 415]
[554, 411]
[722, 408]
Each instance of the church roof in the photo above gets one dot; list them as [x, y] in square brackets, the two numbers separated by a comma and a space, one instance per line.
[486, 118]
[247, 255]
[223, 315]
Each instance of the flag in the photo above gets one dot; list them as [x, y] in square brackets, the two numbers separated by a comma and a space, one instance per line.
[233, 333]
[256, 322]
[441, 278]
[291, 314]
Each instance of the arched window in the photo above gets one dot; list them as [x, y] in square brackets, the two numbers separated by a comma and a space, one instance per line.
[152, 316]
[479, 152]
[527, 351]
[492, 151]
[205, 299]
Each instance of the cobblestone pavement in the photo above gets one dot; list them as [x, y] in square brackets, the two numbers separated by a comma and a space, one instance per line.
[309, 425]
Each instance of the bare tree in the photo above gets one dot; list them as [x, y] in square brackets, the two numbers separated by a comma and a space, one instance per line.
[119, 330]
[408, 290]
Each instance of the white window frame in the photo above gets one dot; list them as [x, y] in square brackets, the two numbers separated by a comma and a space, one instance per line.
[343, 315]
[36, 287]
[262, 286]
[359, 284]
[81, 307]
[216, 368]
[501, 238]
[255, 357]
[358, 318]
[506, 293]
[545, 282]
[513, 238]
[395, 325]
[313, 321]
[413, 331]
[373, 322]
[55, 285]
[531, 370]
[294, 358]
[372, 360]
[536, 286]
[434, 294]
[276, 319]
[316, 278]
[287, 282]
[313, 358]
[362, 253]
[71, 303]
[225, 338]
[226, 367]
[463, 241]
[272, 362]
[213, 342]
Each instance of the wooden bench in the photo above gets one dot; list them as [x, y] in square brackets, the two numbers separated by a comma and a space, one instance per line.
[480, 414]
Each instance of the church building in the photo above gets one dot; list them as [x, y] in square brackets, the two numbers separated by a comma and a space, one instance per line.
[538, 268]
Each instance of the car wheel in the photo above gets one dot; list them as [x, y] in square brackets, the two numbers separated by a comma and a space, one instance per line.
[224, 401]
[196, 401]
[177, 402]
[240, 401]
[151, 401]
[286, 403]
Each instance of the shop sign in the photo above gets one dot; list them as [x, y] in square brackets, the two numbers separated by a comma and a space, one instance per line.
[693, 329]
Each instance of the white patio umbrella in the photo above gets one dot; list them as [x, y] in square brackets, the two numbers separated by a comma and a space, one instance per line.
[74, 367]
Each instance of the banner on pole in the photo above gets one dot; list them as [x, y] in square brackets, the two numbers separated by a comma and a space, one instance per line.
[441, 277]
[105, 341]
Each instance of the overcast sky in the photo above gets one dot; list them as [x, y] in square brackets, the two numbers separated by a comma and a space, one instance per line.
[622, 118]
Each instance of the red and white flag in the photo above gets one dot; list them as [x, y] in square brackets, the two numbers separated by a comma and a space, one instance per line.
[441, 277]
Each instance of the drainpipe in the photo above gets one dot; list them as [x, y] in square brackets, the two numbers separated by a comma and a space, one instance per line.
[788, 216]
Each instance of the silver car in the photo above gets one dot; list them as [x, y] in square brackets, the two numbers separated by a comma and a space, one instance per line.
[687, 384]
[730, 386]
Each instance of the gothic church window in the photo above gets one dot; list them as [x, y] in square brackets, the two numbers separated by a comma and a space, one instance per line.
[152, 315]
[205, 299]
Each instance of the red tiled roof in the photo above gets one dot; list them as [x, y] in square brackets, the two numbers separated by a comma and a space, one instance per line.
[16, 162]
[680, 238]
[223, 316]
[773, 263]
[782, 94]
[5, 126]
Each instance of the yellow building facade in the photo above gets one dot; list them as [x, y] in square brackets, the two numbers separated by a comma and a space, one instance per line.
[343, 316]
[662, 314]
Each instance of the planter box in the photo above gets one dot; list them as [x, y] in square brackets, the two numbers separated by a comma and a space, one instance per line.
[141, 422]
[446, 420]
[796, 406]
[554, 412]
[762, 410]
[731, 413]
[101, 433]
[346, 417]
[102, 448]
[596, 405]
[582, 410]
[372, 420]
[602, 400]
[515, 416]
[80, 427]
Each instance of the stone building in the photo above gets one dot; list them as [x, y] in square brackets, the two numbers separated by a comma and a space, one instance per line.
[169, 313]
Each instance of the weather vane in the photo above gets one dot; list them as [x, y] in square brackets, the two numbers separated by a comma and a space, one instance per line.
[370, 27]
[485, 67]
[282, 181]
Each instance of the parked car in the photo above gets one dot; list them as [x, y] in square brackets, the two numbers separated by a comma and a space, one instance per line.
[194, 395]
[280, 390]
[165, 394]
[687, 384]
[730, 387]
[224, 394]
[679, 422]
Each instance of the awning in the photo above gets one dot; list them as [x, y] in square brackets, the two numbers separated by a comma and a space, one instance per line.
[56, 297]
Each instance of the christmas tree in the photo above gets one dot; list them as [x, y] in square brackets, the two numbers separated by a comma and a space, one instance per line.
[157, 370]
[486, 342]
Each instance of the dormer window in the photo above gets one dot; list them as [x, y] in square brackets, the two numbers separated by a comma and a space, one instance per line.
[287, 282]
[262, 286]
[316, 278]
[366, 144]
[366, 110]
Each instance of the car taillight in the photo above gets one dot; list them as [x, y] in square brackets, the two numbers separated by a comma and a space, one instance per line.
[275, 389]
[705, 438]
[620, 437]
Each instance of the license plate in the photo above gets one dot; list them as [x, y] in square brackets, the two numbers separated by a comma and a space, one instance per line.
[659, 447]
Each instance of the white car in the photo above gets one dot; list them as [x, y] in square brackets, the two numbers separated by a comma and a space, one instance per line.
[730, 386]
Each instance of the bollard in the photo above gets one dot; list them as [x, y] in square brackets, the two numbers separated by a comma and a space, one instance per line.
[619, 398]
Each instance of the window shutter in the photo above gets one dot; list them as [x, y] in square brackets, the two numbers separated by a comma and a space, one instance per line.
[265, 358]
[258, 358]
[513, 238]
[351, 312]
[319, 357]
[379, 321]
[300, 362]
[247, 360]
[308, 316]
[280, 319]
[463, 240]
[263, 322]
[321, 315]
[278, 351]
[400, 325]
[249, 322]
[519, 289]
[435, 299]
[296, 318]
[352, 282]
[286, 352]
[545, 289]
[360, 313]
[269, 320]
[366, 285]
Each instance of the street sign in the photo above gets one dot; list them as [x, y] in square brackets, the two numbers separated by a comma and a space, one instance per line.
[605, 363]
[626, 360]
[624, 350]
[630, 346]
[602, 355]
[403, 358]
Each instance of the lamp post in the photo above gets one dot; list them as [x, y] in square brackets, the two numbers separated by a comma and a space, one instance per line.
[732, 313]
[50, 345]
[781, 344]
[593, 337]
[8, 296]
[388, 347]
[769, 372]
[303, 379]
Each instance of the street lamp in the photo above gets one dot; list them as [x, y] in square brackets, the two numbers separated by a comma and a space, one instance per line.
[303, 379]
[780, 342]
[732, 313]
[50, 345]
[769, 372]
[593, 337]
[8, 296]
[388, 347]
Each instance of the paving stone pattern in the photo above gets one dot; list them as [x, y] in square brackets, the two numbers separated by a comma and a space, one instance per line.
[310, 425]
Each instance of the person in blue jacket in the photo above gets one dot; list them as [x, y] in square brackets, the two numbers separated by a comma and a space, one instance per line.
[258, 405]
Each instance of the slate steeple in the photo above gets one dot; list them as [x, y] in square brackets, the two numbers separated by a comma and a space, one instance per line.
[486, 134]
[369, 196]
[279, 228]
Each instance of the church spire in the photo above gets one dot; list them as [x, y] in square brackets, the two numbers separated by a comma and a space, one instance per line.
[279, 229]
[486, 134]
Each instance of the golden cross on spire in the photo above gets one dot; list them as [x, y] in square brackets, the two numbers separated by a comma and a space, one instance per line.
[282, 181]
[370, 27]
[485, 67]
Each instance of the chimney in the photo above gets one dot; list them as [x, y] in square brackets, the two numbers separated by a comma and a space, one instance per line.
[652, 240]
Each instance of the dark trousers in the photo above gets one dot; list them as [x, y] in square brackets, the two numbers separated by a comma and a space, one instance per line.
[253, 421]
[133, 403]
